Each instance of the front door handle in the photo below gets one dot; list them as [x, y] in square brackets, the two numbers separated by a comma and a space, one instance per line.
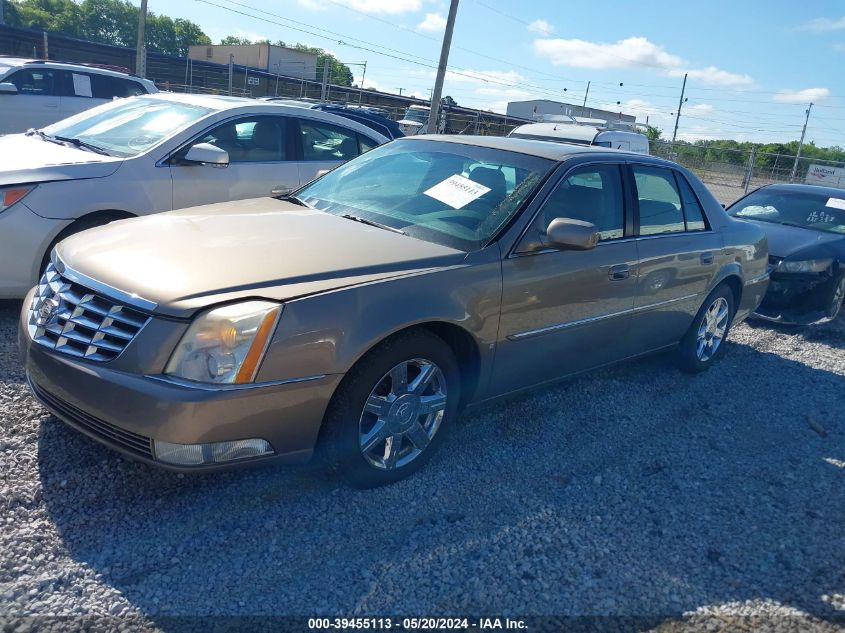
[707, 258]
[620, 272]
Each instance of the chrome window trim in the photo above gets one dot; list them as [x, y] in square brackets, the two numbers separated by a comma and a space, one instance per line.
[189, 384]
[131, 299]
[519, 336]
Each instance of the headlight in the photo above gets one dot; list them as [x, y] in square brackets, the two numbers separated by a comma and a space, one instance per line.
[11, 195]
[806, 266]
[225, 345]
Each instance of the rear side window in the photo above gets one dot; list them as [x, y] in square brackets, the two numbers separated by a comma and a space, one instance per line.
[326, 142]
[366, 143]
[693, 213]
[659, 201]
[108, 87]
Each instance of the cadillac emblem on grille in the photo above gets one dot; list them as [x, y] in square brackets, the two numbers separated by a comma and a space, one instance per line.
[47, 312]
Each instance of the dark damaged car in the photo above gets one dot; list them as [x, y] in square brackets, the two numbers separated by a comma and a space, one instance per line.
[805, 225]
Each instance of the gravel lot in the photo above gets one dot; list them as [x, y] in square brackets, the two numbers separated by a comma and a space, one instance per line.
[637, 491]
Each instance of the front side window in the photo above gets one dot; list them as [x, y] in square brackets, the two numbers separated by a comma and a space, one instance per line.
[129, 127]
[592, 194]
[257, 139]
[448, 193]
[659, 201]
[326, 142]
[43, 82]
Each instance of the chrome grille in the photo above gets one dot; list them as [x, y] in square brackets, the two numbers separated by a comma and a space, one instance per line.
[70, 319]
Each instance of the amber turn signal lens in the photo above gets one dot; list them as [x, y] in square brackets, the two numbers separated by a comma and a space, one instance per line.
[256, 351]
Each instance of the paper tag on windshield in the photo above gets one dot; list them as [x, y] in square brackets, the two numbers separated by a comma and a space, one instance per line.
[836, 203]
[457, 191]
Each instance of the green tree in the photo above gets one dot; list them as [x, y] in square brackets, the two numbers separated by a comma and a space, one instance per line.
[234, 40]
[448, 101]
[653, 132]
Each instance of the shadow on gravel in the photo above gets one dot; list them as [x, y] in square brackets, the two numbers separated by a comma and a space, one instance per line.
[11, 369]
[636, 491]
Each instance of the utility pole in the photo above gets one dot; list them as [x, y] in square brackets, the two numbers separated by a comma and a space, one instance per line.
[434, 112]
[324, 87]
[140, 48]
[2, 19]
[361, 91]
[678, 113]
[800, 144]
[400, 92]
[585, 95]
[231, 71]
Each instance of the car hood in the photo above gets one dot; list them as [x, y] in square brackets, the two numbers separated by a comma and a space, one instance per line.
[185, 260]
[785, 241]
[28, 159]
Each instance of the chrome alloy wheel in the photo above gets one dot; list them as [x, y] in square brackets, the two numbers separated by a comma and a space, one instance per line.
[402, 414]
[837, 298]
[712, 330]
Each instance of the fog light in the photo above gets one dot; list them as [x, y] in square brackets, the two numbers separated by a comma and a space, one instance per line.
[212, 453]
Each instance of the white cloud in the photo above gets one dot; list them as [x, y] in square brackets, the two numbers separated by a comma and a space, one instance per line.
[839, 48]
[541, 26]
[801, 96]
[698, 108]
[432, 22]
[820, 25]
[632, 52]
[393, 7]
[715, 76]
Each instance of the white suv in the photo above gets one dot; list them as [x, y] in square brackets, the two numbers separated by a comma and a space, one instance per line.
[35, 93]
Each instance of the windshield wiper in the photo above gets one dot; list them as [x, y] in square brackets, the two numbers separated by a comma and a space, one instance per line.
[379, 225]
[296, 200]
[43, 136]
[83, 145]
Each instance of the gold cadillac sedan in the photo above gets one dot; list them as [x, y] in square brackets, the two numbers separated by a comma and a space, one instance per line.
[357, 317]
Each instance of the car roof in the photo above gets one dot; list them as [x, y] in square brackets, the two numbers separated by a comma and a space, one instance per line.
[830, 192]
[552, 150]
[18, 62]
[221, 103]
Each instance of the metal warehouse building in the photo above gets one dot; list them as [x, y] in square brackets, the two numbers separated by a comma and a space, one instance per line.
[266, 57]
[533, 108]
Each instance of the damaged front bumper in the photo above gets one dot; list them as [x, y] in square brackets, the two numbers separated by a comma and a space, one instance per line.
[798, 298]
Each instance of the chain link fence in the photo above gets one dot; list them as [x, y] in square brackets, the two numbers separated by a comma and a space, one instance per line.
[731, 173]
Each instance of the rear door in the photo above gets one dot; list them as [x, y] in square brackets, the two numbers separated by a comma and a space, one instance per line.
[568, 311]
[677, 253]
[36, 103]
[259, 148]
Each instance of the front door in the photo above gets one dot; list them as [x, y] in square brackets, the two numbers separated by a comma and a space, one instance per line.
[678, 257]
[568, 311]
[258, 151]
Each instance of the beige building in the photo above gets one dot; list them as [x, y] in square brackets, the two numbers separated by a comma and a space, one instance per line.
[274, 59]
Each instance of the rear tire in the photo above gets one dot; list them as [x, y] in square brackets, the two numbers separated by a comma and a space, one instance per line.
[392, 410]
[704, 342]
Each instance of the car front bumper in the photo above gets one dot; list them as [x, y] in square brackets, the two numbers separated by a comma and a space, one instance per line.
[128, 412]
[797, 299]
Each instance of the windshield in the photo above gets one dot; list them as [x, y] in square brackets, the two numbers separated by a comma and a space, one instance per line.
[420, 116]
[447, 193]
[816, 211]
[128, 127]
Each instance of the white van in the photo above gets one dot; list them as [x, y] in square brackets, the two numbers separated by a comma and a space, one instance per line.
[583, 135]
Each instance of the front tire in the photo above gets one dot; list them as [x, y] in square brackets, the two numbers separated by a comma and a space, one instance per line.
[703, 344]
[837, 296]
[392, 410]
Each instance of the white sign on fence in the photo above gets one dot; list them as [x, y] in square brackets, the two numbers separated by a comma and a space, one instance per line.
[827, 176]
[252, 81]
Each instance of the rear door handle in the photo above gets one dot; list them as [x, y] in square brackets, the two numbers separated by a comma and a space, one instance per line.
[619, 272]
[707, 258]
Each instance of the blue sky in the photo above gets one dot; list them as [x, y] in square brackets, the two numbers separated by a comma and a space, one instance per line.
[753, 65]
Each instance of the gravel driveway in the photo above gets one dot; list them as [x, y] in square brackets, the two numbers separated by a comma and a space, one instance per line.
[636, 491]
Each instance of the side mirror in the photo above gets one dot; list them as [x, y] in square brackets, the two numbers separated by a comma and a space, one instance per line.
[8, 89]
[207, 154]
[567, 234]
